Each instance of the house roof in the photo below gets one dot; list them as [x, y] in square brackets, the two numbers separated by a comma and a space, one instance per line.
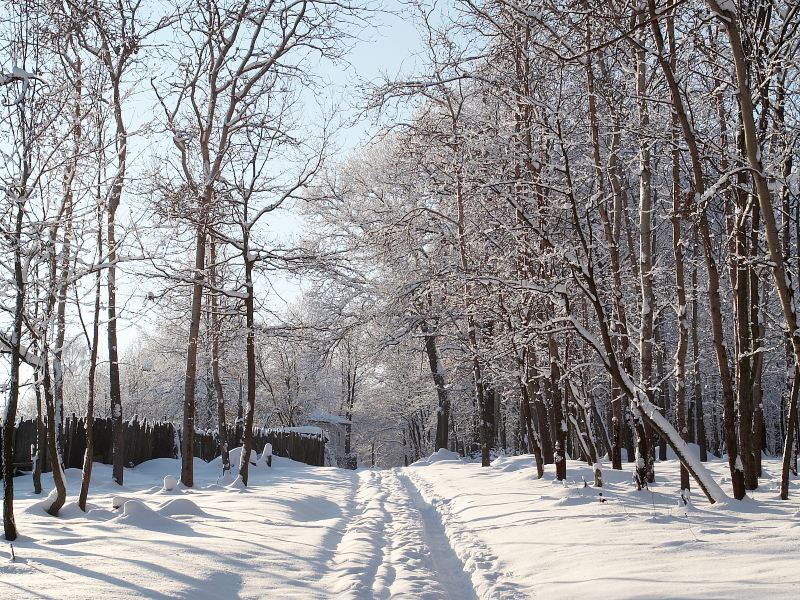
[318, 416]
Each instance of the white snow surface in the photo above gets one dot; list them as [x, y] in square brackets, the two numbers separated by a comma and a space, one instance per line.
[445, 528]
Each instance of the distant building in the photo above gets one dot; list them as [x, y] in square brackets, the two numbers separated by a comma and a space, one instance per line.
[335, 428]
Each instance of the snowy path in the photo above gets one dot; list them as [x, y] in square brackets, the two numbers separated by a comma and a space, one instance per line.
[297, 532]
[440, 529]
[395, 547]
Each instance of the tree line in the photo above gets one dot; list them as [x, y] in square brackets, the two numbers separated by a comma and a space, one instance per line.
[592, 207]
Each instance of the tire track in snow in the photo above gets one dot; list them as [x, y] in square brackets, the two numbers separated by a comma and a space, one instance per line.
[488, 579]
[358, 555]
[447, 567]
[424, 565]
[395, 547]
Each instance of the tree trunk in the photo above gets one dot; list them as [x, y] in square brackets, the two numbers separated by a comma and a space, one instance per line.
[646, 332]
[37, 455]
[190, 381]
[786, 228]
[714, 302]
[539, 413]
[88, 456]
[244, 462]
[559, 418]
[757, 337]
[744, 376]
[222, 429]
[349, 375]
[612, 233]
[697, 384]
[437, 373]
[115, 393]
[55, 455]
[534, 447]
[680, 279]
[472, 333]
[790, 431]
[662, 390]
[9, 419]
[61, 307]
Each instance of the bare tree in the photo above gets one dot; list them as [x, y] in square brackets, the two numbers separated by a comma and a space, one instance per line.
[233, 66]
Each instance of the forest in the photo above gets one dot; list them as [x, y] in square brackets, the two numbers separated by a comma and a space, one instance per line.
[569, 231]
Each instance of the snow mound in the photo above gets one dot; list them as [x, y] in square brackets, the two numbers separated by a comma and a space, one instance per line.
[182, 507]
[237, 484]
[227, 478]
[574, 500]
[118, 501]
[441, 455]
[73, 476]
[511, 464]
[137, 514]
[42, 506]
[236, 457]
[265, 455]
[71, 510]
[570, 496]
[169, 483]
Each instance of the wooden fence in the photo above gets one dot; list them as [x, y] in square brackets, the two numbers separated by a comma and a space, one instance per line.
[145, 440]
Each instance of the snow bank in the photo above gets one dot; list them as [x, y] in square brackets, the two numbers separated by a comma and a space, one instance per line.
[236, 456]
[136, 513]
[42, 506]
[74, 477]
[71, 510]
[441, 455]
[237, 484]
[182, 507]
[226, 478]
[509, 465]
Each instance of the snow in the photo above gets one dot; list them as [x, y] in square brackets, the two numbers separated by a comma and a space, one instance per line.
[318, 416]
[182, 507]
[445, 528]
[302, 430]
[236, 457]
[264, 456]
[138, 514]
[441, 455]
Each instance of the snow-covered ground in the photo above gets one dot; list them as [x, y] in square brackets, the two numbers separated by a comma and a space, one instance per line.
[440, 529]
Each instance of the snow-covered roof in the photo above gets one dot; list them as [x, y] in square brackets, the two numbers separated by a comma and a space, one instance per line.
[318, 416]
[302, 430]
